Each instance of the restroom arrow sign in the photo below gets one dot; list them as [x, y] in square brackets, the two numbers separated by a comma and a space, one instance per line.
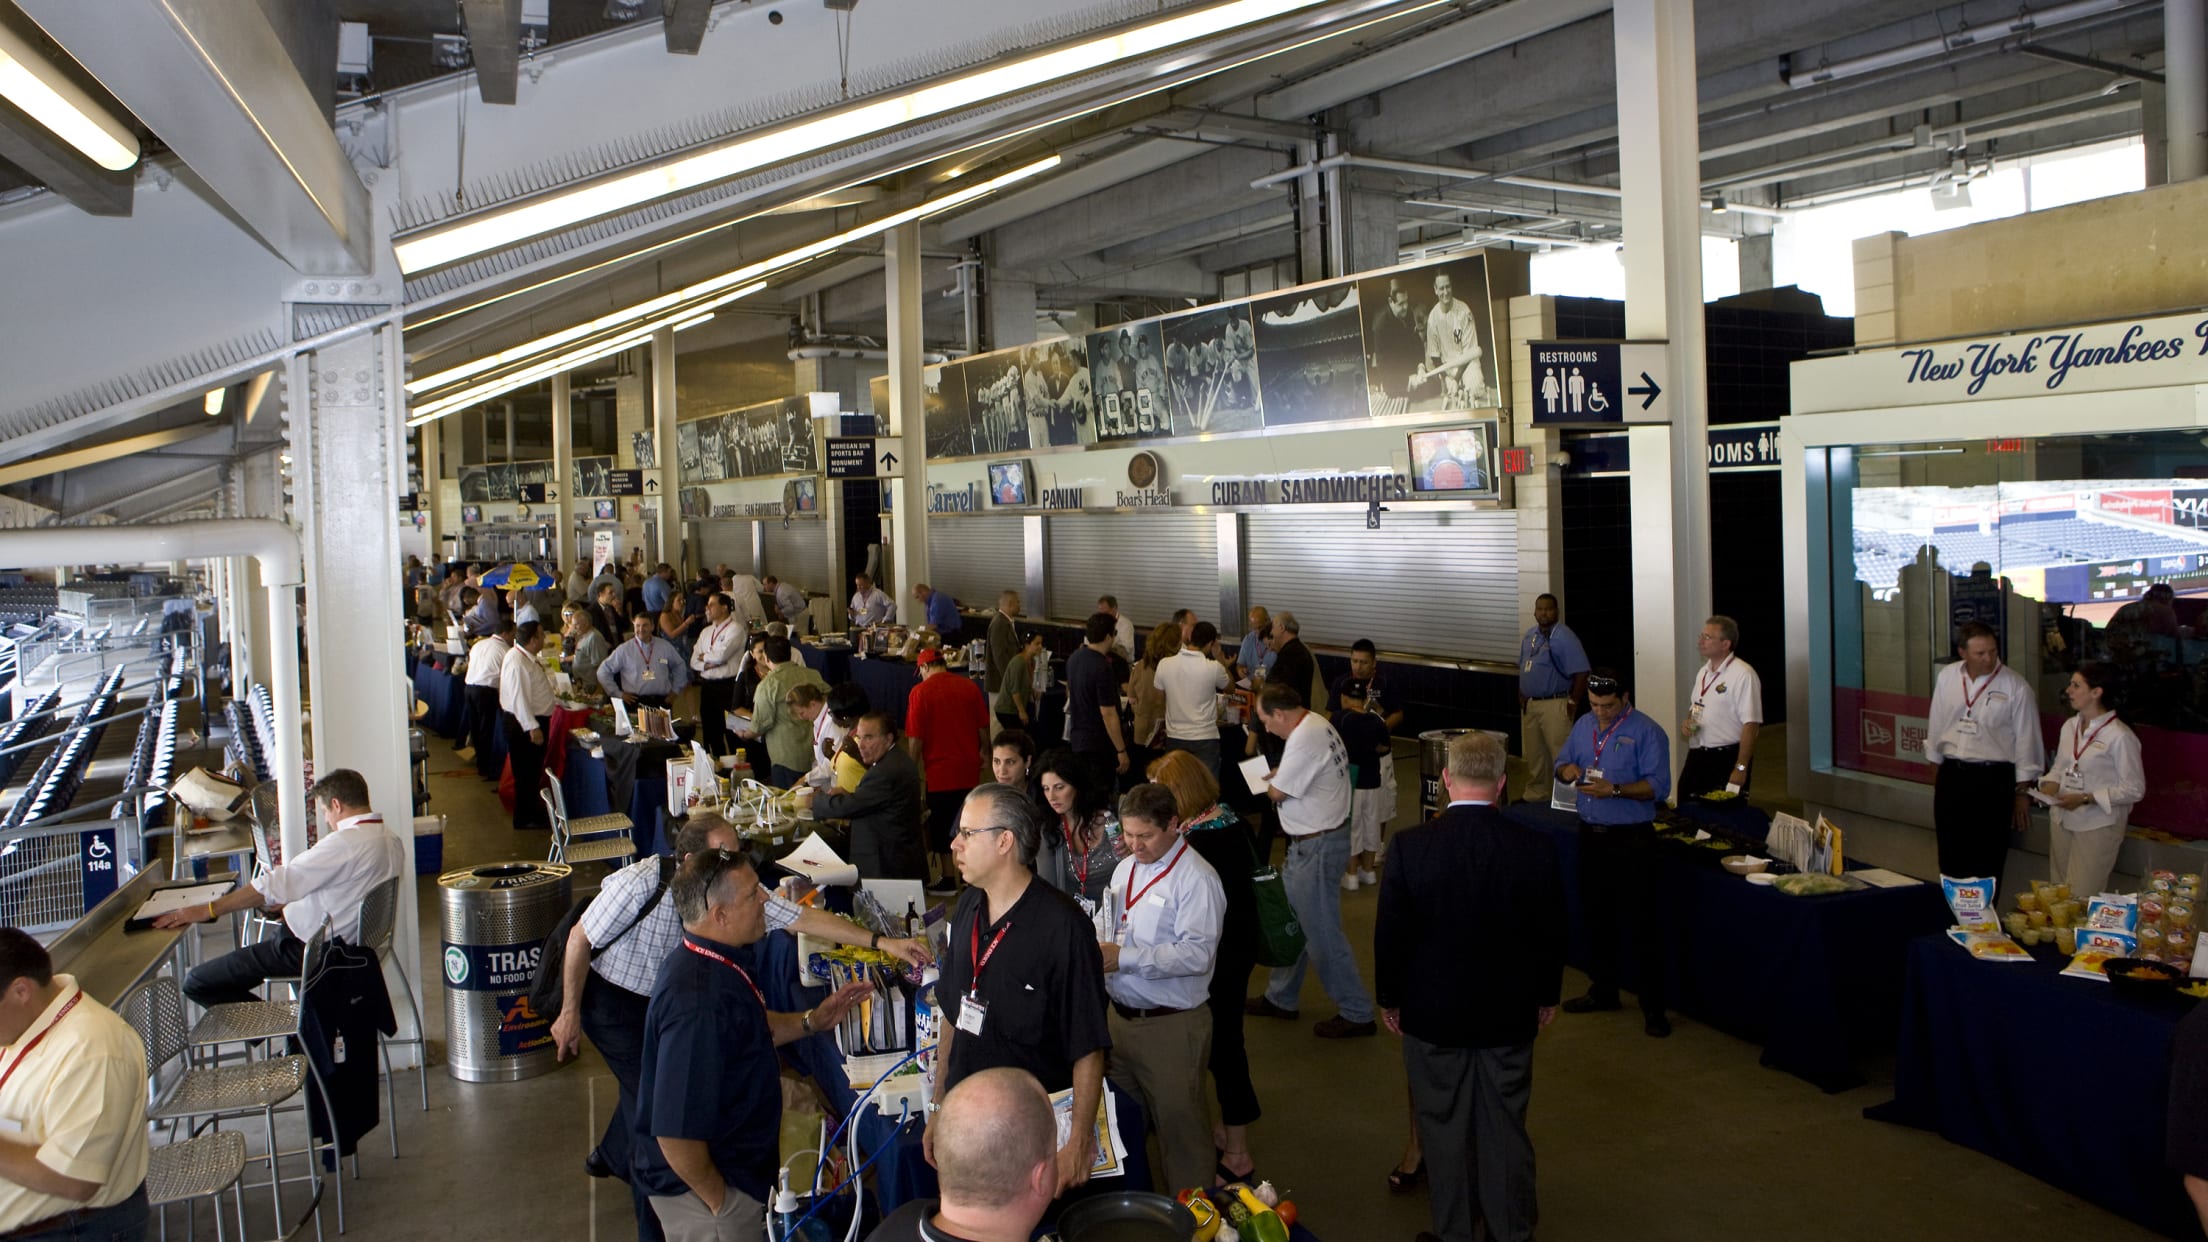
[1578, 383]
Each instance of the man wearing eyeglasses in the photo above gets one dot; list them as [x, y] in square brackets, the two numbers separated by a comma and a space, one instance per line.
[884, 810]
[615, 953]
[1023, 982]
[709, 1094]
[1724, 717]
[1620, 760]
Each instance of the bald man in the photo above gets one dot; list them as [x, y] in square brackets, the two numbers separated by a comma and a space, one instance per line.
[995, 1157]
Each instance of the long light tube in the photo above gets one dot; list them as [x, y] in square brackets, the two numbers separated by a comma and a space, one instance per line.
[743, 275]
[523, 221]
[51, 99]
[681, 321]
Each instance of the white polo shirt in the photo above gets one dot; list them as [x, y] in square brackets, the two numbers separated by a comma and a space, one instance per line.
[1314, 773]
[328, 881]
[1727, 695]
[79, 1094]
[1191, 682]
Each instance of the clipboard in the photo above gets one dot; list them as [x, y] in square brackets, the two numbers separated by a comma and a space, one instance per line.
[176, 897]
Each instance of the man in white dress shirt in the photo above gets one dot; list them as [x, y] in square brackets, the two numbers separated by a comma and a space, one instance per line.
[485, 658]
[870, 605]
[717, 659]
[1123, 628]
[1166, 907]
[525, 696]
[1723, 717]
[1192, 682]
[355, 854]
[789, 601]
[1984, 735]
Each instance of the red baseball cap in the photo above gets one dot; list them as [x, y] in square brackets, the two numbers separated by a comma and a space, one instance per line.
[928, 655]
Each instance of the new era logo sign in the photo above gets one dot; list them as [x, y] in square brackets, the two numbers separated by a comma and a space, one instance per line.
[1878, 734]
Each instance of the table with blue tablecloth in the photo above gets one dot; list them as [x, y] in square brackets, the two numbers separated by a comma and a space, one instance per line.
[1816, 980]
[2062, 1078]
[832, 663]
[584, 787]
[446, 697]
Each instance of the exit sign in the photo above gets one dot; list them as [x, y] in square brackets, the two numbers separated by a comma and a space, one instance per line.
[1517, 460]
[2004, 446]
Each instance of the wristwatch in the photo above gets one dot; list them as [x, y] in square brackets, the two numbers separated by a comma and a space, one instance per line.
[805, 1020]
[875, 942]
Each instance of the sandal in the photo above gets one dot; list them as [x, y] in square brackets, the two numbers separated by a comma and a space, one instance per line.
[1400, 1182]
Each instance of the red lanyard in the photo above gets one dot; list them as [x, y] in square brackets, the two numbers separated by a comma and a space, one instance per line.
[644, 649]
[1077, 859]
[1602, 738]
[1710, 677]
[1970, 700]
[980, 956]
[1138, 894]
[2081, 741]
[21, 1056]
[702, 951]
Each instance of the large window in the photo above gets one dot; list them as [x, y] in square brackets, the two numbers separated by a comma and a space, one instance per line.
[2072, 548]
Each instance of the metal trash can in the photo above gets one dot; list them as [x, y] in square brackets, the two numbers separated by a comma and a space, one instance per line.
[1433, 756]
[494, 920]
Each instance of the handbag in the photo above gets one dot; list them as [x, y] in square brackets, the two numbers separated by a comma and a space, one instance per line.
[548, 987]
[1279, 933]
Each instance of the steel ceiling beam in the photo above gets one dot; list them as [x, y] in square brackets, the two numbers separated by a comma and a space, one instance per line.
[39, 467]
[60, 167]
[494, 40]
[218, 80]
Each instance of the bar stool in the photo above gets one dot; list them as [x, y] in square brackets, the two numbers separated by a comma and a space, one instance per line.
[198, 1168]
[378, 920]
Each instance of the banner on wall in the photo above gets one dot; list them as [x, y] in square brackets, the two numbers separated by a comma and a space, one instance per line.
[1417, 340]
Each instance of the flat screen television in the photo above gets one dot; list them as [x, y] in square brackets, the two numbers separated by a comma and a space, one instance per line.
[1008, 483]
[1459, 459]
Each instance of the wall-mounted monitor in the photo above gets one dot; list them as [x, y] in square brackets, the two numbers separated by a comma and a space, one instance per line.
[1459, 460]
[1009, 483]
[603, 510]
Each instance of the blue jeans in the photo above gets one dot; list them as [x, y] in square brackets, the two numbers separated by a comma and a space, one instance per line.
[124, 1222]
[1313, 876]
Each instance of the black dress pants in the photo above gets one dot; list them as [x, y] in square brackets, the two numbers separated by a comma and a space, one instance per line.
[1709, 769]
[1973, 817]
[482, 718]
[715, 696]
[528, 760]
[613, 1018]
[1615, 862]
[232, 978]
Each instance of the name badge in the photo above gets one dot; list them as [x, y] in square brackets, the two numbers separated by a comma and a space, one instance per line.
[1591, 774]
[972, 1012]
[1966, 727]
[1529, 665]
[2071, 781]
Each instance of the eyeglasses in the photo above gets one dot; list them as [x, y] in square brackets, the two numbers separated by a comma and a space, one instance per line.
[967, 834]
[1603, 685]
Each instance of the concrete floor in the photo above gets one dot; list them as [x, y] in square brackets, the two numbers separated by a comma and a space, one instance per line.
[1686, 1138]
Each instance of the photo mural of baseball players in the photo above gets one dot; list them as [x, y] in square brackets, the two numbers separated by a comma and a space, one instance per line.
[712, 452]
[475, 484]
[790, 422]
[686, 451]
[1430, 338]
[1211, 371]
[1127, 378]
[996, 388]
[531, 474]
[1062, 390]
[1311, 355]
[590, 476]
[502, 483]
[944, 400]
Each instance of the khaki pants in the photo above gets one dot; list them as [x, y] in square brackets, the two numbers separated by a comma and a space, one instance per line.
[1161, 1062]
[2083, 860]
[685, 1219]
[1543, 728]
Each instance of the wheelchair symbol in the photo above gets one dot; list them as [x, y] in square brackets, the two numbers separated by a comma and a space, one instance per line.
[1596, 402]
[99, 848]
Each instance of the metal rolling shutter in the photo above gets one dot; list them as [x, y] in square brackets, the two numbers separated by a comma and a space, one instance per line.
[1154, 563]
[725, 541]
[799, 553]
[1438, 584]
[976, 558]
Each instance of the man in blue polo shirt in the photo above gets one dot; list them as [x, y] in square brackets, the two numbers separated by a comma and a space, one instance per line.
[1621, 761]
[941, 611]
[709, 1096]
[1552, 676]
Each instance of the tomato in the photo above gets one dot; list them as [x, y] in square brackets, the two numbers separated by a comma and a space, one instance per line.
[1286, 1210]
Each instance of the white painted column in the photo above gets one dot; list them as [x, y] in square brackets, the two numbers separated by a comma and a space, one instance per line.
[2185, 70]
[355, 435]
[563, 478]
[908, 530]
[663, 445]
[1659, 170]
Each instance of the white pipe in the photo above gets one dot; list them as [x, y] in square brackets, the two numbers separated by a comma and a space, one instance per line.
[2026, 22]
[273, 544]
[2185, 72]
[805, 352]
[1417, 168]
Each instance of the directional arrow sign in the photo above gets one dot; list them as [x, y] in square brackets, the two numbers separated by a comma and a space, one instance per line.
[651, 485]
[889, 461]
[1581, 382]
[532, 493]
[850, 457]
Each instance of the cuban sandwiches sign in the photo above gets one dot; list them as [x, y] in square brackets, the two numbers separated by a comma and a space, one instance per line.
[2147, 353]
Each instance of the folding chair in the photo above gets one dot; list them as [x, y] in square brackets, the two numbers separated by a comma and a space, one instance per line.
[604, 838]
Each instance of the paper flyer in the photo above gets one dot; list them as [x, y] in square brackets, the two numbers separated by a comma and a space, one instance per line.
[1111, 1151]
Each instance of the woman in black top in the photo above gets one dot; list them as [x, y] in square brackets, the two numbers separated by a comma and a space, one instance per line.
[1080, 839]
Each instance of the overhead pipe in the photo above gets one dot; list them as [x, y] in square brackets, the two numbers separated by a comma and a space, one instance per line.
[2026, 22]
[804, 352]
[1416, 168]
[272, 543]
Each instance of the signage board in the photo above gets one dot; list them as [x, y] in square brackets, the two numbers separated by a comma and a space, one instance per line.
[532, 493]
[2103, 357]
[625, 482]
[851, 457]
[1582, 382]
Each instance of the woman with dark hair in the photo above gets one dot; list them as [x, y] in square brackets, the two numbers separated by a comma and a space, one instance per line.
[1080, 844]
[2093, 779]
[1222, 839]
[1163, 643]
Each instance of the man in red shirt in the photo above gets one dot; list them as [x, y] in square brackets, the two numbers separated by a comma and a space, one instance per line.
[947, 720]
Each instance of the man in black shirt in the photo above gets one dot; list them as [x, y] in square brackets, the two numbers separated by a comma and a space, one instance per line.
[996, 1146]
[1092, 700]
[1023, 983]
[1293, 665]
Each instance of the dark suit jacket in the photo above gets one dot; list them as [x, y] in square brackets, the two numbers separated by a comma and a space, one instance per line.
[1470, 938]
[1294, 668]
[1004, 643]
[610, 622]
[885, 819]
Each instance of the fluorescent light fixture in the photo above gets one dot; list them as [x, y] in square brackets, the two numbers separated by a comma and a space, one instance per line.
[29, 82]
[518, 223]
[212, 403]
[679, 321]
[746, 274]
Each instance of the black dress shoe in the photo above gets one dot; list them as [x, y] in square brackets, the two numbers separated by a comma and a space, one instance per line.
[1591, 1003]
[595, 1164]
[1657, 1025]
[1263, 1007]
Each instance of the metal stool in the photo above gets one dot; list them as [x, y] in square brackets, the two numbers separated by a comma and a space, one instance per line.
[200, 1168]
[378, 919]
[608, 838]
